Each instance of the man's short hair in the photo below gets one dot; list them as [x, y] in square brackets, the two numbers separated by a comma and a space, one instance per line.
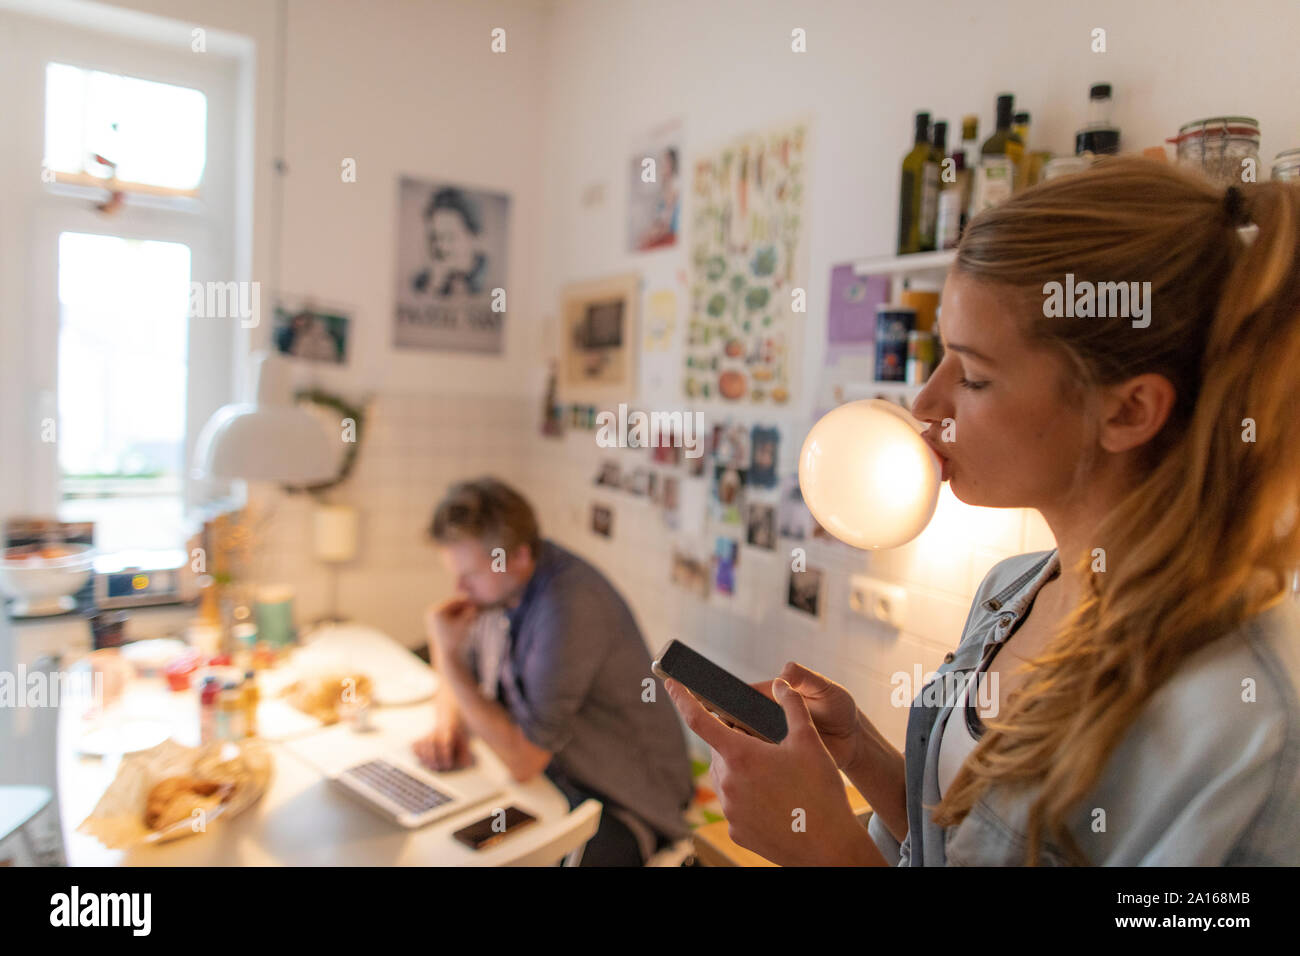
[487, 510]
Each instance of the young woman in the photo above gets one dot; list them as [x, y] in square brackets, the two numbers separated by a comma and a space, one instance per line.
[1142, 680]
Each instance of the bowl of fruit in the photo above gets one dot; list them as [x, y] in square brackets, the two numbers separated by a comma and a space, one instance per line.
[42, 578]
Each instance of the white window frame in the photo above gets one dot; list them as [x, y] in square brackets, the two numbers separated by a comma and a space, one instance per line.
[206, 225]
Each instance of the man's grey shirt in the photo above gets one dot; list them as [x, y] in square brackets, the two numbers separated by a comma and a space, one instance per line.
[573, 679]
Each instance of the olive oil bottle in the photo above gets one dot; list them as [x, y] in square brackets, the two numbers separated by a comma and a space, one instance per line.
[1004, 141]
[918, 198]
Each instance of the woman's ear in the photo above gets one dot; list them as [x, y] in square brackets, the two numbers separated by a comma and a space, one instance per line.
[1135, 411]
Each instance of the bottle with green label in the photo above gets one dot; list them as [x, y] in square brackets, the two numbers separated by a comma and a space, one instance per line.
[918, 200]
[1000, 156]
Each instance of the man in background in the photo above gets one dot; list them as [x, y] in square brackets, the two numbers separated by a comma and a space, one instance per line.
[556, 686]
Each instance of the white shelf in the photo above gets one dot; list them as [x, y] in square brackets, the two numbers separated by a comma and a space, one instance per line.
[857, 390]
[928, 264]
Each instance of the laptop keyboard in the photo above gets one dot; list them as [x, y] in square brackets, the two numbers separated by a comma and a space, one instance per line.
[408, 792]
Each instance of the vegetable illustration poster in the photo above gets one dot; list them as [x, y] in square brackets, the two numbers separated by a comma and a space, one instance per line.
[747, 271]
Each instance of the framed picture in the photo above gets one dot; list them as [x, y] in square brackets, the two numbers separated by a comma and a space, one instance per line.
[598, 339]
[451, 267]
[305, 329]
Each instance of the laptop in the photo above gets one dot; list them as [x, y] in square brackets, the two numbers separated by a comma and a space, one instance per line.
[398, 788]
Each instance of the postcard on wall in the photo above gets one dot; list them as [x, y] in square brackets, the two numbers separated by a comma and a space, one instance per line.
[765, 444]
[598, 345]
[726, 554]
[760, 526]
[748, 280]
[306, 329]
[851, 331]
[691, 570]
[795, 521]
[659, 362]
[451, 267]
[602, 520]
[654, 197]
[804, 593]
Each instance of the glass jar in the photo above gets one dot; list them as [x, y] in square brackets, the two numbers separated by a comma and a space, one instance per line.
[1286, 165]
[1218, 146]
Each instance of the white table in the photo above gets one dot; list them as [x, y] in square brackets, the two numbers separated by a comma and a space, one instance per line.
[302, 819]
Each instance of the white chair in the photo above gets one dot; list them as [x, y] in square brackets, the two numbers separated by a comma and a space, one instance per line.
[580, 825]
[675, 854]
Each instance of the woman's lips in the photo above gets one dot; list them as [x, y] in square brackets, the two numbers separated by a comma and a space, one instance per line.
[944, 469]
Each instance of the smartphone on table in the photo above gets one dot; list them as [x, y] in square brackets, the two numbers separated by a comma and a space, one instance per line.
[493, 828]
[722, 692]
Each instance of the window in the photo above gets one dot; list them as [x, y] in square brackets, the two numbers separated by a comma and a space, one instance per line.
[145, 134]
[106, 380]
[123, 346]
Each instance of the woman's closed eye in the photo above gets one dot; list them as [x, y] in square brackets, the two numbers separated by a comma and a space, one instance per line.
[967, 383]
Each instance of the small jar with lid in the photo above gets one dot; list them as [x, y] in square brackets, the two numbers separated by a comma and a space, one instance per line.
[1219, 146]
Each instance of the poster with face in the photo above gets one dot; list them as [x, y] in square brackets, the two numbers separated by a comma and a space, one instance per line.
[451, 268]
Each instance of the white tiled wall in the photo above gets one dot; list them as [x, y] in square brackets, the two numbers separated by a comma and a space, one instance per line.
[413, 447]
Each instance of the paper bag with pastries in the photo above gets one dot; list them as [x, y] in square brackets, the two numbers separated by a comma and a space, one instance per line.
[156, 792]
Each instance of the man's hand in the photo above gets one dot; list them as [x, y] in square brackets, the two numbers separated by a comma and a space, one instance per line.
[448, 624]
[447, 748]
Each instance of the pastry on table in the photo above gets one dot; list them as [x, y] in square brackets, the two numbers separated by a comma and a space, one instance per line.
[321, 697]
[176, 798]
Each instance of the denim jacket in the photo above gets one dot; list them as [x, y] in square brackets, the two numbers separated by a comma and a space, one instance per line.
[1205, 776]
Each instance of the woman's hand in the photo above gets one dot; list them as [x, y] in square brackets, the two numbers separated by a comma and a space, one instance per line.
[833, 711]
[785, 801]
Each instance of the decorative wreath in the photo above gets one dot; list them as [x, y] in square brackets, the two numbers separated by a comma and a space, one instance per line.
[337, 404]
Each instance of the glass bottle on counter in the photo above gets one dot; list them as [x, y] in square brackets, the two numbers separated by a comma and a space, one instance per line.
[1098, 136]
[250, 698]
[918, 198]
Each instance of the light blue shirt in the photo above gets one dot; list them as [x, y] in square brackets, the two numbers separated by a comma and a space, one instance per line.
[1204, 777]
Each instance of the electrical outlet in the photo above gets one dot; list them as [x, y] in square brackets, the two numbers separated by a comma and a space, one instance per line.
[878, 601]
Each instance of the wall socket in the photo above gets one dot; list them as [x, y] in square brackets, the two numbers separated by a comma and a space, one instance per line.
[877, 600]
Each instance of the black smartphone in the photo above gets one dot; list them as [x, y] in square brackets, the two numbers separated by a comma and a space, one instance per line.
[729, 696]
[493, 828]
